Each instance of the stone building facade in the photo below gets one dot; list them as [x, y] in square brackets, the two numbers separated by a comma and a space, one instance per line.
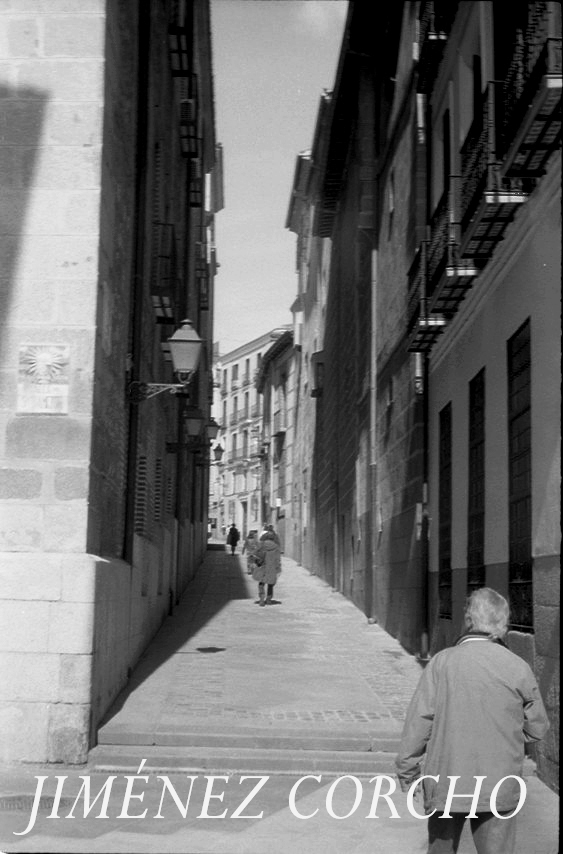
[331, 210]
[275, 382]
[436, 190]
[236, 494]
[111, 177]
[308, 311]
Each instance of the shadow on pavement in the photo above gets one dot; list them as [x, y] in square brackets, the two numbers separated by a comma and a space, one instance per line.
[220, 579]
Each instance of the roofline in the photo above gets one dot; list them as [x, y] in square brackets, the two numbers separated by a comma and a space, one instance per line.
[253, 344]
[283, 343]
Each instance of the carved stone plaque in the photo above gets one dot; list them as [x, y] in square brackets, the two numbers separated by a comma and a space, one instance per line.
[43, 378]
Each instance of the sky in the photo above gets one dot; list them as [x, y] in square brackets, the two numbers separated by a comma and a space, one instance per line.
[272, 59]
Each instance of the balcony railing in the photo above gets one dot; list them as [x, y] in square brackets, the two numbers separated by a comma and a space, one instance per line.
[246, 380]
[448, 274]
[434, 26]
[239, 454]
[488, 200]
[422, 327]
[530, 96]
[501, 161]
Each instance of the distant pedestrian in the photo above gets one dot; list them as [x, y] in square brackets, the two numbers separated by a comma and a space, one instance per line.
[233, 537]
[249, 546]
[267, 567]
[475, 707]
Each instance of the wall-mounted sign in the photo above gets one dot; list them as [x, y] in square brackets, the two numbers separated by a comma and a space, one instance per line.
[43, 378]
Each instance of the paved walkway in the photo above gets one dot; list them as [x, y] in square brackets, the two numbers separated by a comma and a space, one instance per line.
[229, 688]
[309, 664]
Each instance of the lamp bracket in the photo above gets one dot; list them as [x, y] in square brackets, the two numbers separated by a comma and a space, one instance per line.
[139, 391]
[195, 446]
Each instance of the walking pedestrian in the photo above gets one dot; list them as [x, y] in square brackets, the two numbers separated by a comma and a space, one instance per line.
[249, 546]
[475, 707]
[267, 567]
[269, 529]
[233, 537]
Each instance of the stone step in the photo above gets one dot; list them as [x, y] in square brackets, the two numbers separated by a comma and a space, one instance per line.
[223, 760]
[253, 738]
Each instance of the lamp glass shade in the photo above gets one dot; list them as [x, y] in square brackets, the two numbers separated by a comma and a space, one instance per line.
[212, 429]
[218, 452]
[193, 426]
[185, 349]
[193, 419]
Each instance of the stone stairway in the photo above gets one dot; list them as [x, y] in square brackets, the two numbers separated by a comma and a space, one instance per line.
[243, 751]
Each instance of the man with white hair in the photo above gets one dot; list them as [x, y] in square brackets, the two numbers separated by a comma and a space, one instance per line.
[475, 707]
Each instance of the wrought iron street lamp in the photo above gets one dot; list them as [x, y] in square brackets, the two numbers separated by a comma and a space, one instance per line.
[185, 349]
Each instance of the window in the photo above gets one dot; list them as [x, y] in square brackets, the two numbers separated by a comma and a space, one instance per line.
[445, 514]
[477, 89]
[234, 373]
[476, 484]
[519, 480]
[446, 150]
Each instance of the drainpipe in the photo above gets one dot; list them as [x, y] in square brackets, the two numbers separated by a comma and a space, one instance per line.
[422, 373]
[371, 581]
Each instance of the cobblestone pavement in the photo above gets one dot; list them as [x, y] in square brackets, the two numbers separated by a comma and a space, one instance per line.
[309, 658]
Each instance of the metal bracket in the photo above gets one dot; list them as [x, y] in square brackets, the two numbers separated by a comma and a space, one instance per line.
[139, 391]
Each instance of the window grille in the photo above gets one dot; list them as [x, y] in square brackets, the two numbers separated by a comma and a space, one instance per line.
[519, 480]
[445, 514]
[476, 484]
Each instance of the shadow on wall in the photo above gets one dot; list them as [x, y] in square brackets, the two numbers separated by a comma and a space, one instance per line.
[22, 111]
[399, 585]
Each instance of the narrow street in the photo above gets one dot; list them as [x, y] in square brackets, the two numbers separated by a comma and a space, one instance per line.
[227, 680]
[305, 686]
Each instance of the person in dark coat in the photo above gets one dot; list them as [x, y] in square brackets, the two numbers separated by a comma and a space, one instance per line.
[233, 537]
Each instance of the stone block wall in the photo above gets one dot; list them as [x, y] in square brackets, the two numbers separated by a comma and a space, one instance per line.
[51, 102]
